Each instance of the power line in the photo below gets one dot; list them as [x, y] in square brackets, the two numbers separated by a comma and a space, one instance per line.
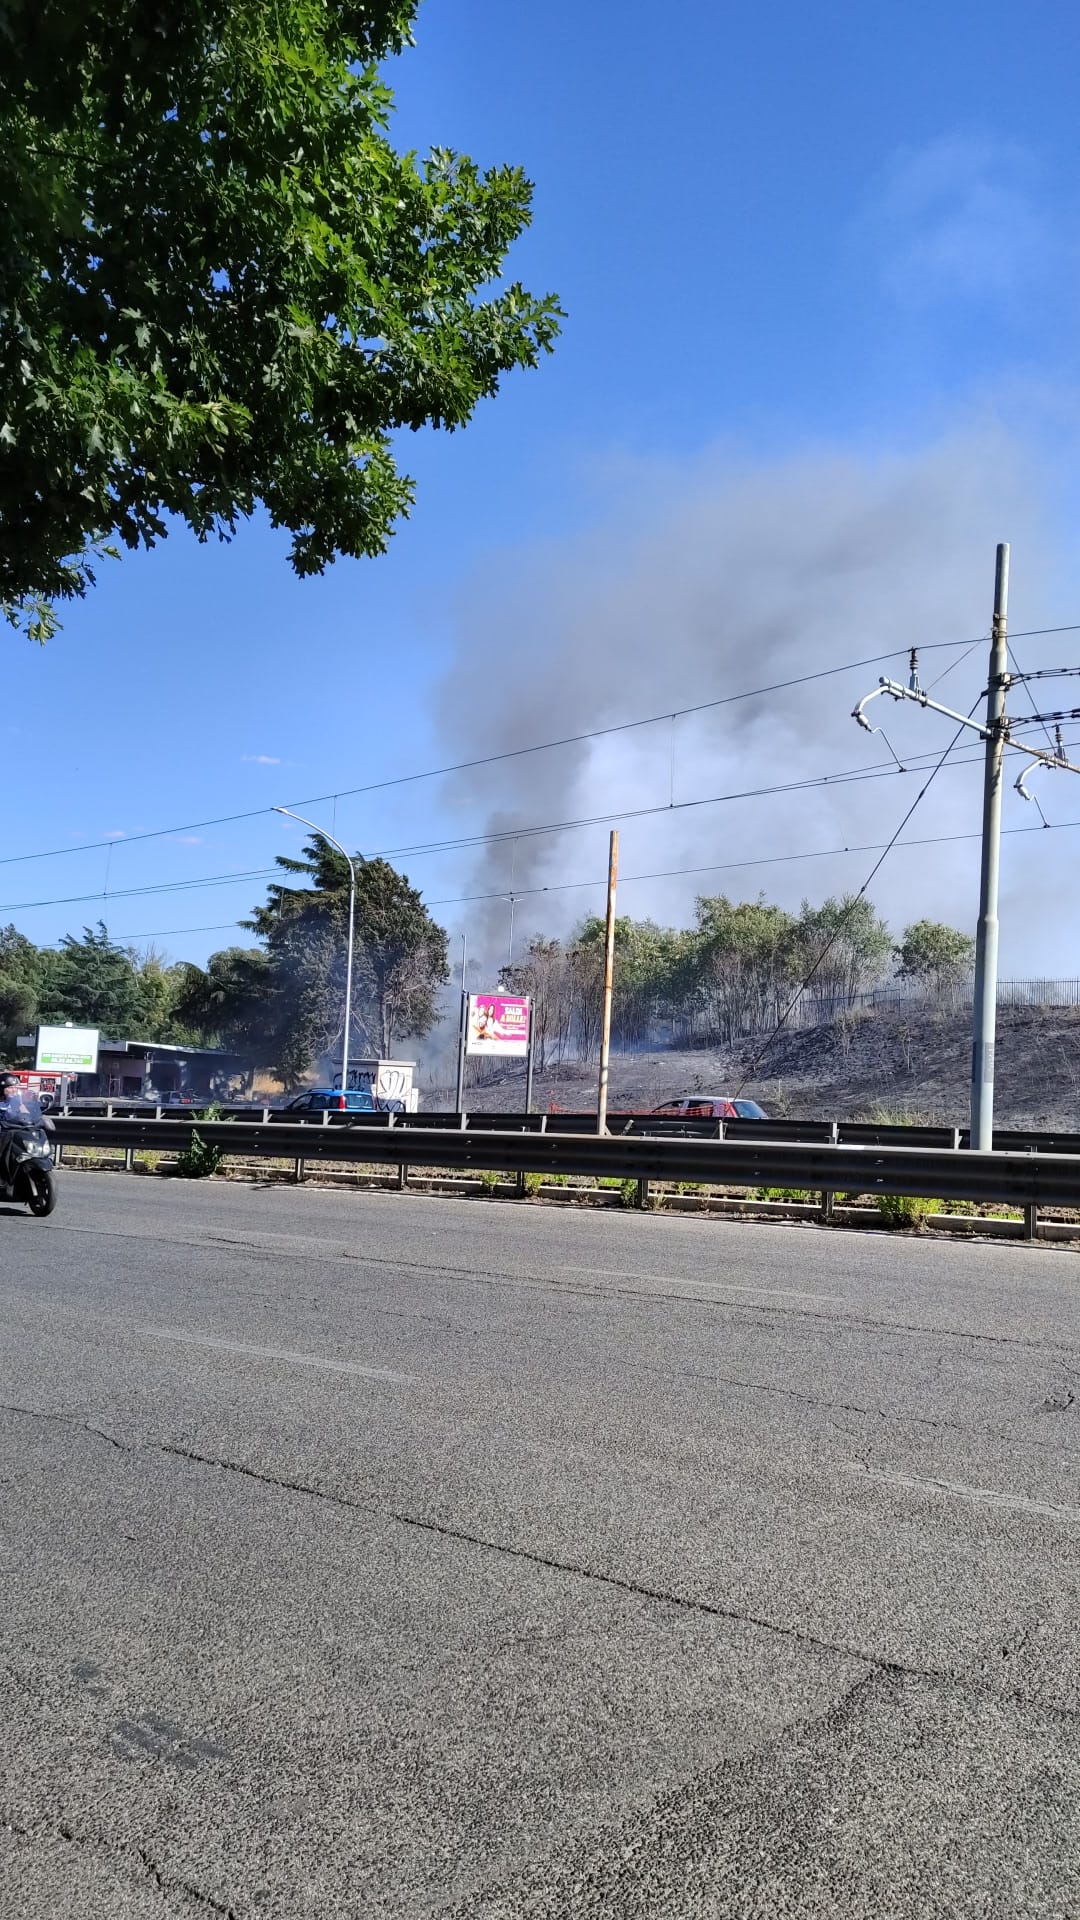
[664, 873]
[732, 866]
[876, 771]
[492, 759]
[131, 893]
[880, 770]
[1031, 700]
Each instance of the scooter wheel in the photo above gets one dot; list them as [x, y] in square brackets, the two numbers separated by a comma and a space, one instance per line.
[40, 1194]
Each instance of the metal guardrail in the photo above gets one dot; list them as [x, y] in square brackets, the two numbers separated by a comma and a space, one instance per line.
[656, 1125]
[1028, 1179]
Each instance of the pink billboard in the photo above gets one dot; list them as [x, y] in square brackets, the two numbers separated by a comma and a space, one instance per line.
[497, 1023]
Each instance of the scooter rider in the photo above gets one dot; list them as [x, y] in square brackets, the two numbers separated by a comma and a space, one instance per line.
[15, 1110]
[13, 1102]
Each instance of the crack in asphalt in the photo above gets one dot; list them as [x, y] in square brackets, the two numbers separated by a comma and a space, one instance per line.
[851, 1322]
[896, 1416]
[613, 1853]
[69, 1420]
[421, 1523]
[550, 1563]
[130, 1856]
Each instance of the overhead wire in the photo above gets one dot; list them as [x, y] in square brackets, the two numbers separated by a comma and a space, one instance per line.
[659, 873]
[1031, 699]
[846, 776]
[876, 771]
[486, 760]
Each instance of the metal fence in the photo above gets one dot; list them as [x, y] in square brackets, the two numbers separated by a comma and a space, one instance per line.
[812, 1010]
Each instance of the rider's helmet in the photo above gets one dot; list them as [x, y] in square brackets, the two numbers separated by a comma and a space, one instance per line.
[9, 1083]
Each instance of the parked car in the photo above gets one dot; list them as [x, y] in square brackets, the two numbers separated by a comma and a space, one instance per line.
[702, 1106]
[333, 1100]
[329, 1100]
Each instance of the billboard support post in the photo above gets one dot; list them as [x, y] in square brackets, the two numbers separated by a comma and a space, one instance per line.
[463, 1029]
[529, 1066]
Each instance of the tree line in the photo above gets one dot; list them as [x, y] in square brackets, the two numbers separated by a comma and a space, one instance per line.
[278, 1002]
[733, 973]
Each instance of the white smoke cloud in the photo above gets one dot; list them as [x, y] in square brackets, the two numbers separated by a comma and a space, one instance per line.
[724, 574]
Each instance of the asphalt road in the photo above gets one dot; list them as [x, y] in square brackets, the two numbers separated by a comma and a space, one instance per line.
[366, 1555]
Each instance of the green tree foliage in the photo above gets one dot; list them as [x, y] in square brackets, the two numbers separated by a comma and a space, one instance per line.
[733, 973]
[94, 983]
[843, 948]
[936, 955]
[21, 969]
[741, 964]
[400, 959]
[229, 1001]
[222, 286]
[646, 957]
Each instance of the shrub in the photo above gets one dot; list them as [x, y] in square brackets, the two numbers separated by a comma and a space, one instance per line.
[628, 1192]
[783, 1193]
[906, 1211]
[534, 1182]
[151, 1161]
[489, 1180]
[200, 1160]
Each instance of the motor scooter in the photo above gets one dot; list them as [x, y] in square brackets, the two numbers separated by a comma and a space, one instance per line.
[27, 1169]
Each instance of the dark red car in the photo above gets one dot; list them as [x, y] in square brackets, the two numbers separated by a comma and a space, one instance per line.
[706, 1106]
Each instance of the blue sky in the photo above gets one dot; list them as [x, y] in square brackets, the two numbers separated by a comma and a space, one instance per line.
[820, 271]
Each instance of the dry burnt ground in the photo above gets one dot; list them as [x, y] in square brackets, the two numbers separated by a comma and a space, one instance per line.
[915, 1063]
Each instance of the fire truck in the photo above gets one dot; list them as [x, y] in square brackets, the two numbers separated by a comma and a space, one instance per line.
[47, 1086]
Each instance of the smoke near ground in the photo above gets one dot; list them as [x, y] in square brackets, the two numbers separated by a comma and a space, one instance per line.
[720, 574]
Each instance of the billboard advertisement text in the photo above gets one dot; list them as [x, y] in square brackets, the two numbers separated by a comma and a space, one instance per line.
[67, 1050]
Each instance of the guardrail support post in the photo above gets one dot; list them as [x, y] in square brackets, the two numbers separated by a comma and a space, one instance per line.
[1031, 1221]
[828, 1202]
[520, 1185]
[129, 1159]
[403, 1176]
[299, 1170]
[642, 1194]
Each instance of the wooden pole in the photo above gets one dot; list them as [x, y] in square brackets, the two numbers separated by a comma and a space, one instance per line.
[609, 980]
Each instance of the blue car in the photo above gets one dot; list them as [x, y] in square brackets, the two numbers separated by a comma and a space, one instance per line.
[330, 1100]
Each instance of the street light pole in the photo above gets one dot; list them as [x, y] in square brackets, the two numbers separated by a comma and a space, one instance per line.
[329, 838]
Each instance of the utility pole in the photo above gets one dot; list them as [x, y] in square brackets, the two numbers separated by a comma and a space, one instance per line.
[609, 978]
[995, 732]
[984, 1022]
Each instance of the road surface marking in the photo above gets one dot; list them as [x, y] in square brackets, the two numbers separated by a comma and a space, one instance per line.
[977, 1496]
[274, 1353]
